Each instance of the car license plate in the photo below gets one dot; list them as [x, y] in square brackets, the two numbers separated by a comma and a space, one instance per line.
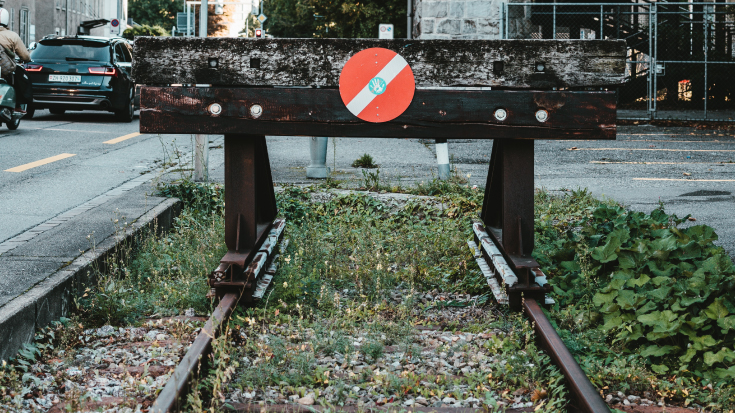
[65, 78]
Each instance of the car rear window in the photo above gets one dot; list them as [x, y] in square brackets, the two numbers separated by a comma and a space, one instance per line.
[72, 51]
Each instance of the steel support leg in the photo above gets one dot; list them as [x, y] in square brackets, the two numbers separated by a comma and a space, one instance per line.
[507, 212]
[250, 207]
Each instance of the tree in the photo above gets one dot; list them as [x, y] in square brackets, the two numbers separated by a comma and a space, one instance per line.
[155, 12]
[327, 18]
[144, 30]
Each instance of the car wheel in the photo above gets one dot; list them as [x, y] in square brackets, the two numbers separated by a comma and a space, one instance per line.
[13, 125]
[126, 114]
[57, 111]
[29, 113]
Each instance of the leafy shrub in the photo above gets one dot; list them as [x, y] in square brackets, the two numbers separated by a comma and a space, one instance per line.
[665, 292]
[197, 196]
[144, 30]
[365, 161]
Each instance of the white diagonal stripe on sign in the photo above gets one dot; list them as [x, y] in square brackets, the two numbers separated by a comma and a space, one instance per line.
[388, 73]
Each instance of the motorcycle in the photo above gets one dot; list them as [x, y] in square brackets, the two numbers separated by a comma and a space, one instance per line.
[8, 114]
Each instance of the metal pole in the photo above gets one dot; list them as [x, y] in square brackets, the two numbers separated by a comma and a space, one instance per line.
[602, 16]
[655, 60]
[553, 35]
[318, 150]
[706, 49]
[201, 158]
[442, 158]
[188, 20]
[203, 9]
[409, 19]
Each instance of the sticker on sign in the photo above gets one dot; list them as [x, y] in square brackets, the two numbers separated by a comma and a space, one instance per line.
[377, 85]
[385, 31]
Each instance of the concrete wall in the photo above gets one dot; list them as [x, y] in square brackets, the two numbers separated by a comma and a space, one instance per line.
[457, 19]
[468, 19]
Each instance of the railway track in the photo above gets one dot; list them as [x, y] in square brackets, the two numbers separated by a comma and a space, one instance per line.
[500, 278]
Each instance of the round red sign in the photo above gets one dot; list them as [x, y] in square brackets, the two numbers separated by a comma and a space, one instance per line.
[377, 85]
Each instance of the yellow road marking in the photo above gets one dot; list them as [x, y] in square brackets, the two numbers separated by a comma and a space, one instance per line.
[122, 138]
[651, 149]
[677, 141]
[41, 162]
[687, 180]
[666, 163]
[66, 130]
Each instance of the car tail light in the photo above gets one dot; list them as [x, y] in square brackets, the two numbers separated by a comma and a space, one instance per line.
[107, 71]
[33, 68]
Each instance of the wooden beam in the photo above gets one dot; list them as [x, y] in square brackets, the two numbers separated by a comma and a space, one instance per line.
[453, 114]
[435, 63]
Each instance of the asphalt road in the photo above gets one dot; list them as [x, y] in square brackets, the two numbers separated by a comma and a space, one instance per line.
[691, 171]
[89, 154]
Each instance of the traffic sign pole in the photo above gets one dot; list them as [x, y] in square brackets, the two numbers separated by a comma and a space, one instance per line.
[203, 9]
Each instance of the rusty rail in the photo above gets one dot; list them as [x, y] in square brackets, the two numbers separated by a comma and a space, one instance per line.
[195, 360]
[585, 394]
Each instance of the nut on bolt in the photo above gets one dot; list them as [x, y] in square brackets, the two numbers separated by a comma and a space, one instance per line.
[542, 115]
[215, 108]
[256, 111]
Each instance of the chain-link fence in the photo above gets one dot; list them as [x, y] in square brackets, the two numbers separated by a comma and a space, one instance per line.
[680, 57]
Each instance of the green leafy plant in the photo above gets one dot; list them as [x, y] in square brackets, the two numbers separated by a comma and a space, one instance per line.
[664, 292]
[365, 161]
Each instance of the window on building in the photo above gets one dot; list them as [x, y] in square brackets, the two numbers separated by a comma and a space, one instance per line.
[23, 29]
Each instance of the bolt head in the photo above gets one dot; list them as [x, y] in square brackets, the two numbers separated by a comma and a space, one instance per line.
[542, 115]
[256, 111]
[215, 109]
[500, 114]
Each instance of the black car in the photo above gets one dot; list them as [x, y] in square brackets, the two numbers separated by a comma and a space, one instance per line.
[82, 73]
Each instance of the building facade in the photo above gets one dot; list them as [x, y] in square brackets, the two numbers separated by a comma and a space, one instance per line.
[34, 19]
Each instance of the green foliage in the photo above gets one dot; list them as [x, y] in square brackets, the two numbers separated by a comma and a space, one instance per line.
[365, 161]
[144, 30]
[357, 242]
[167, 273]
[155, 13]
[664, 292]
[199, 197]
[296, 18]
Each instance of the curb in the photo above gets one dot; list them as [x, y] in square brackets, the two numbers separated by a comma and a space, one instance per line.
[51, 298]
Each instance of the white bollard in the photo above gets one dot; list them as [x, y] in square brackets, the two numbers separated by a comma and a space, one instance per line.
[201, 158]
[318, 149]
[442, 158]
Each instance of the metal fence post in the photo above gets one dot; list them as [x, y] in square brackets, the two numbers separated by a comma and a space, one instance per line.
[655, 60]
[553, 35]
[442, 158]
[706, 50]
[201, 158]
[318, 150]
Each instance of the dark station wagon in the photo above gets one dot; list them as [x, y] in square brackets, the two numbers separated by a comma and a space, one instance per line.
[82, 73]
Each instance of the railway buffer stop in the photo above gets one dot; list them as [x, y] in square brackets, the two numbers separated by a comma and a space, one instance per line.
[511, 91]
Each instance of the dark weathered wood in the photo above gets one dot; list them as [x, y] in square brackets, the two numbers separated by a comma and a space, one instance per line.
[319, 62]
[450, 114]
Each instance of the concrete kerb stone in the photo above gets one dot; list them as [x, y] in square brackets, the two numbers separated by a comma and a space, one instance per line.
[50, 299]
